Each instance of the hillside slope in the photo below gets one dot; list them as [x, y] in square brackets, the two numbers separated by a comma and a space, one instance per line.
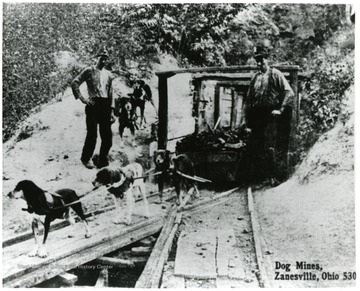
[311, 217]
[48, 146]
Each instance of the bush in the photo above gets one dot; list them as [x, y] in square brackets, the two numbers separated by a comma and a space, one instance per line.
[31, 36]
[332, 73]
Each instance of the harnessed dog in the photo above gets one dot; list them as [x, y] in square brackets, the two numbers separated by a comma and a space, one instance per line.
[125, 181]
[180, 173]
[162, 162]
[52, 206]
[127, 119]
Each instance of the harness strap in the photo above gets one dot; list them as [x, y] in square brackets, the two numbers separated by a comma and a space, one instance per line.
[67, 205]
[49, 199]
[194, 178]
[27, 209]
[147, 175]
[149, 171]
[53, 194]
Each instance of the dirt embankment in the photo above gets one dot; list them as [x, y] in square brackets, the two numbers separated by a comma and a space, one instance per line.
[311, 217]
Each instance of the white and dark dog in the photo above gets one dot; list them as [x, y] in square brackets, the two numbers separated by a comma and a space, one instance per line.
[128, 183]
[51, 205]
[127, 119]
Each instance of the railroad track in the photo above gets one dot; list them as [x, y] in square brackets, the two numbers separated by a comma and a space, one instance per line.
[232, 256]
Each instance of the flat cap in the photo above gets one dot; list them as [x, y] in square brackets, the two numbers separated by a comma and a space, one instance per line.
[261, 51]
[102, 53]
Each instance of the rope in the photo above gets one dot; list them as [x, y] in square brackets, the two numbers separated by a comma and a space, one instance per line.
[194, 178]
[147, 175]
[178, 137]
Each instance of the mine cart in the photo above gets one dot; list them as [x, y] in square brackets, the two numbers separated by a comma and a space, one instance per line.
[216, 143]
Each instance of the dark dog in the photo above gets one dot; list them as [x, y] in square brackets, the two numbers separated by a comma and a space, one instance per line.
[140, 103]
[139, 96]
[162, 164]
[51, 205]
[181, 165]
[127, 119]
[127, 179]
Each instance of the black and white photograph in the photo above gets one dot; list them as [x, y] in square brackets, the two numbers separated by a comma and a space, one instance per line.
[178, 145]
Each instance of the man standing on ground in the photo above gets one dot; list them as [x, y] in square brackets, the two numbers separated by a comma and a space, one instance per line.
[138, 100]
[141, 94]
[148, 93]
[269, 105]
[99, 108]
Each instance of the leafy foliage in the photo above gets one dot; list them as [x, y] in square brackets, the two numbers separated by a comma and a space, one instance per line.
[29, 41]
[332, 73]
[283, 27]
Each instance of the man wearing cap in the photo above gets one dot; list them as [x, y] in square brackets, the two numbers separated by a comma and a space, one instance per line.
[268, 110]
[99, 108]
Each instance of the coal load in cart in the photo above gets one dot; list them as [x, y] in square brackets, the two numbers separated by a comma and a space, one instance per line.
[216, 154]
[218, 145]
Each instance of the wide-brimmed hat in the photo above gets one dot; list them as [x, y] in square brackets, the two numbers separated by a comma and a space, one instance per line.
[102, 53]
[261, 51]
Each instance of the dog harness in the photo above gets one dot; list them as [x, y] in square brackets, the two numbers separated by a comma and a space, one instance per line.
[50, 199]
[121, 189]
[49, 196]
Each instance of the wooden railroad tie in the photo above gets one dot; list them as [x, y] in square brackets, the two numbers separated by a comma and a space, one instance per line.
[115, 262]
[151, 276]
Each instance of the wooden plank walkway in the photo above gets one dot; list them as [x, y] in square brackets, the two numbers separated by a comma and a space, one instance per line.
[208, 254]
[20, 270]
[228, 257]
[196, 255]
